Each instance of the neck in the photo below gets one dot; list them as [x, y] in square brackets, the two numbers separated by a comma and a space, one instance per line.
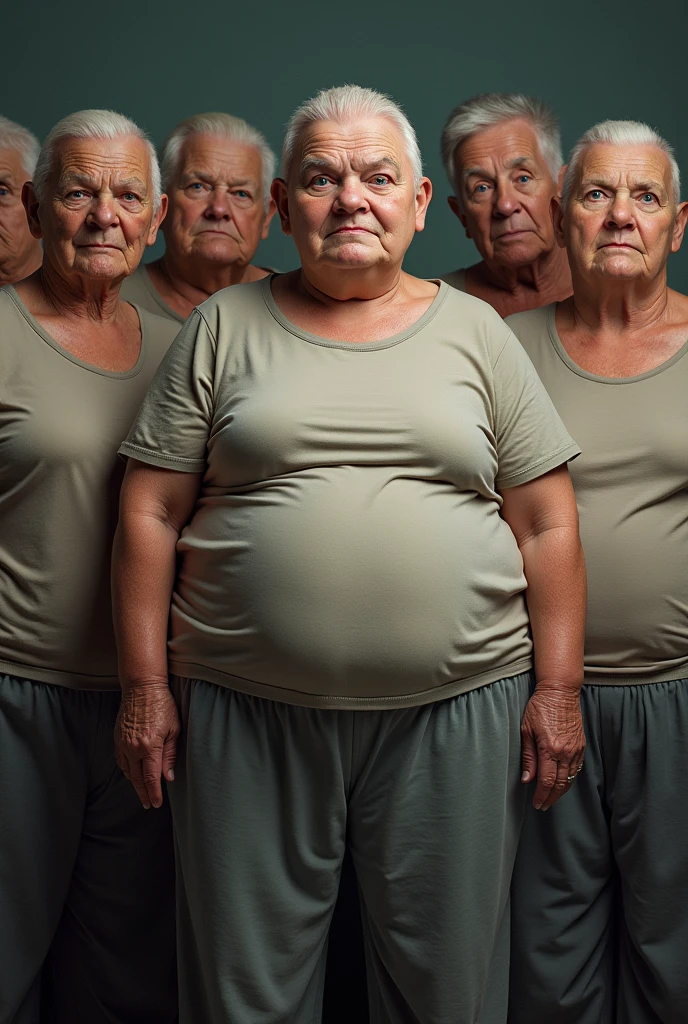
[195, 280]
[94, 300]
[11, 273]
[548, 275]
[342, 285]
[608, 306]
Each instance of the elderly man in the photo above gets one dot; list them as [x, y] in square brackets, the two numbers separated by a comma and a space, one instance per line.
[602, 880]
[20, 252]
[502, 155]
[86, 876]
[335, 485]
[217, 171]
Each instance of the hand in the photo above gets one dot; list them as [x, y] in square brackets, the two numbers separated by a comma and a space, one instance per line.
[146, 734]
[553, 742]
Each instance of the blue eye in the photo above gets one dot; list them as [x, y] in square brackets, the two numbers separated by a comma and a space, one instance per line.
[381, 179]
[321, 180]
[524, 178]
[648, 196]
[195, 186]
[4, 191]
[595, 194]
[481, 188]
[242, 194]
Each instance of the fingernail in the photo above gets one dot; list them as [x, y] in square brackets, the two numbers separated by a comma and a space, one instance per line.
[170, 776]
[146, 807]
[525, 777]
[538, 806]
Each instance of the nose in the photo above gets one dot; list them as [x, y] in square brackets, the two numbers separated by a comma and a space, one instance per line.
[219, 207]
[103, 212]
[507, 200]
[620, 212]
[351, 196]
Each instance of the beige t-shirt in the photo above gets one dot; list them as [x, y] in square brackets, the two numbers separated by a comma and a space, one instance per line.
[61, 421]
[347, 548]
[140, 291]
[457, 279]
[632, 487]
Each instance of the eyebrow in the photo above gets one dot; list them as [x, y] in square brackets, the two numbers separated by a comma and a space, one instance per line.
[310, 162]
[74, 178]
[645, 186]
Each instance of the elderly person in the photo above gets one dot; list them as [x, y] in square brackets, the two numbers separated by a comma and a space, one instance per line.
[602, 880]
[20, 252]
[217, 171]
[87, 876]
[349, 469]
[502, 155]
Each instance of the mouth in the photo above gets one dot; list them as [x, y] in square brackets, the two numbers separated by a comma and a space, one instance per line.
[512, 234]
[617, 245]
[352, 231]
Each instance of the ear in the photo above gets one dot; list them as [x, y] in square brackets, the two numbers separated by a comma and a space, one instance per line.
[280, 197]
[557, 214]
[158, 218]
[560, 178]
[423, 197]
[679, 226]
[271, 211]
[31, 204]
[456, 210]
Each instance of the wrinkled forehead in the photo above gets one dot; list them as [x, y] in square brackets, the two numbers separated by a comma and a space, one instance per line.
[624, 166]
[11, 165]
[219, 156]
[99, 160]
[352, 143]
[499, 146]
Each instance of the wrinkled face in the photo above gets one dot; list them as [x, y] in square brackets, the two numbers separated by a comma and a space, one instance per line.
[620, 220]
[15, 238]
[217, 211]
[505, 190]
[96, 217]
[351, 201]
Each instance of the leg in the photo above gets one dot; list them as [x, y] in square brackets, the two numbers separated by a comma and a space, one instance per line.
[648, 776]
[435, 816]
[562, 900]
[259, 806]
[44, 767]
[113, 957]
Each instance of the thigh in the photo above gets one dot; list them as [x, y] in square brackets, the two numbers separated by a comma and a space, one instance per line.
[563, 895]
[259, 807]
[435, 816]
[44, 752]
[649, 773]
[112, 960]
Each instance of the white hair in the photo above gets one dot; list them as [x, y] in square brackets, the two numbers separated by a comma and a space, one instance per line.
[492, 108]
[619, 133]
[15, 136]
[344, 103]
[93, 124]
[224, 126]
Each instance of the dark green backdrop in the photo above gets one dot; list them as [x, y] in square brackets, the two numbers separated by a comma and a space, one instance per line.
[161, 61]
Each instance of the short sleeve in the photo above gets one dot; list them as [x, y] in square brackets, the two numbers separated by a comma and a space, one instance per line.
[530, 436]
[173, 424]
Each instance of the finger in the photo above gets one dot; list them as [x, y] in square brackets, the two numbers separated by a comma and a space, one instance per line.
[152, 770]
[137, 781]
[562, 784]
[546, 780]
[529, 758]
[169, 756]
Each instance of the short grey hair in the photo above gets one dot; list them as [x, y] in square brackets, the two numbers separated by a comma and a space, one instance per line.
[344, 103]
[492, 108]
[619, 133]
[93, 124]
[224, 126]
[15, 136]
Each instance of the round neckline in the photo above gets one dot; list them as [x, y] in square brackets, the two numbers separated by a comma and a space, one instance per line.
[61, 350]
[581, 372]
[353, 346]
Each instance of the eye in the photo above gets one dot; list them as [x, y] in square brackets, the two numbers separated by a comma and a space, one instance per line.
[595, 194]
[196, 186]
[129, 197]
[482, 188]
[648, 198]
[523, 179]
[380, 179]
[241, 193]
[76, 193]
[320, 181]
[4, 191]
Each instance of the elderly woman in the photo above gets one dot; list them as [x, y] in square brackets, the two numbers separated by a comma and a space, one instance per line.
[217, 171]
[20, 252]
[601, 888]
[86, 874]
[350, 469]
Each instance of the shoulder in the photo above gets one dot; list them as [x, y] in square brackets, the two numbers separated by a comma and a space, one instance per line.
[237, 305]
[532, 327]
[456, 279]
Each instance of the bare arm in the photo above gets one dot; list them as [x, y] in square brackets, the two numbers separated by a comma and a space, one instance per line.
[544, 519]
[155, 504]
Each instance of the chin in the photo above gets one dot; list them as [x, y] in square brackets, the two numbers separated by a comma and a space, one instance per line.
[515, 255]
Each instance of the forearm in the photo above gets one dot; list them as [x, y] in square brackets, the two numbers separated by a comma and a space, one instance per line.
[556, 596]
[143, 569]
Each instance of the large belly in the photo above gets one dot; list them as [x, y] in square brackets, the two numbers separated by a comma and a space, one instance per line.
[324, 587]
